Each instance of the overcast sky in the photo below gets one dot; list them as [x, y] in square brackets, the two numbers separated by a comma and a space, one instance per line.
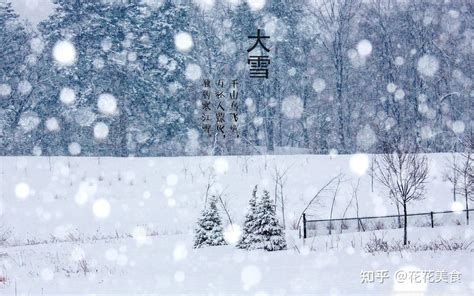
[33, 10]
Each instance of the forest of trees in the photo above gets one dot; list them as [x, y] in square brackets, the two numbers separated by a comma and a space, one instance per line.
[345, 76]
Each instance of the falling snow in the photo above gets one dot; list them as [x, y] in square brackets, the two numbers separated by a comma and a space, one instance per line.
[64, 53]
[292, 107]
[107, 104]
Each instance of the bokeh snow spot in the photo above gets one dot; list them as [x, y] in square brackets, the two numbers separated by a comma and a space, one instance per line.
[24, 87]
[101, 131]
[193, 72]
[168, 192]
[37, 151]
[67, 96]
[205, 4]
[366, 138]
[111, 254]
[74, 148]
[359, 163]
[221, 166]
[256, 5]
[458, 127]
[5, 90]
[172, 180]
[457, 207]
[171, 202]
[101, 208]
[87, 189]
[179, 276]
[180, 252]
[399, 94]
[250, 276]
[37, 45]
[77, 254]
[428, 65]
[29, 121]
[319, 85]
[183, 42]
[364, 48]
[107, 104]
[52, 124]
[139, 235]
[22, 190]
[232, 234]
[64, 53]
[47, 274]
[391, 87]
[292, 107]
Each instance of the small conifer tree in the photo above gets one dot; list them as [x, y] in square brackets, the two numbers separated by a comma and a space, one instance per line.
[248, 237]
[208, 231]
[270, 234]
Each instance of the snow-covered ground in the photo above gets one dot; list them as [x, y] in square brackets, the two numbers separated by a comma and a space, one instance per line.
[129, 222]
[168, 265]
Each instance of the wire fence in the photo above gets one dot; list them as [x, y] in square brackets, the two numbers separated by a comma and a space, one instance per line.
[314, 227]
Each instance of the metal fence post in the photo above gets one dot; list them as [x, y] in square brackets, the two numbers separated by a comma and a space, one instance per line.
[304, 225]
[432, 221]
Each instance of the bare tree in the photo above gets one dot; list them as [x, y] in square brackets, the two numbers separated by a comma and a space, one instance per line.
[405, 175]
[333, 203]
[466, 172]
[318, 195]
[452, 173]
[280, 180]
[460, 173]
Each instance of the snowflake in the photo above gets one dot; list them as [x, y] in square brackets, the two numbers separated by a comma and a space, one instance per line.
[359, 163]
[172, 180]
[458, 127]
[37, 45]
[221, 166]
[5, 90]
[74, 148]
[22, 190]
[193, 72]
[256, 5]
[101, 130]
[107, 104]
[292, 107]
[183, 42]
[319, 85]
[428, 65]
[101, 208]
[205, 4]
[24, 87]
[364, 48]
[180, 252]
[29, 121]
[250, 276]
[67, 96]
[64, 53]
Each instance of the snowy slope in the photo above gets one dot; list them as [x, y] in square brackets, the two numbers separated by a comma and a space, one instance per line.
[44, 196]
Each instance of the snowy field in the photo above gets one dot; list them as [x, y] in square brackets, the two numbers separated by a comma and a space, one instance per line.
[124, 226]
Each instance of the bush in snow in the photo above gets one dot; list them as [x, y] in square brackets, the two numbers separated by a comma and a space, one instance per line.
[208, 231]
[248, 237]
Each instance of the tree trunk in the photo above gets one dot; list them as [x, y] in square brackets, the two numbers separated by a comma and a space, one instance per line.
[405, 217]
[466, 194]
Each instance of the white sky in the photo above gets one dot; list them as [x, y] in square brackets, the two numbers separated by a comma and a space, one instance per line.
[33, 10]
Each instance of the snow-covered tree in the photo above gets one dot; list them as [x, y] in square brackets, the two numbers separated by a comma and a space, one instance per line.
[268, 231]
[208, 230]
[15, 83]
[249, 237]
